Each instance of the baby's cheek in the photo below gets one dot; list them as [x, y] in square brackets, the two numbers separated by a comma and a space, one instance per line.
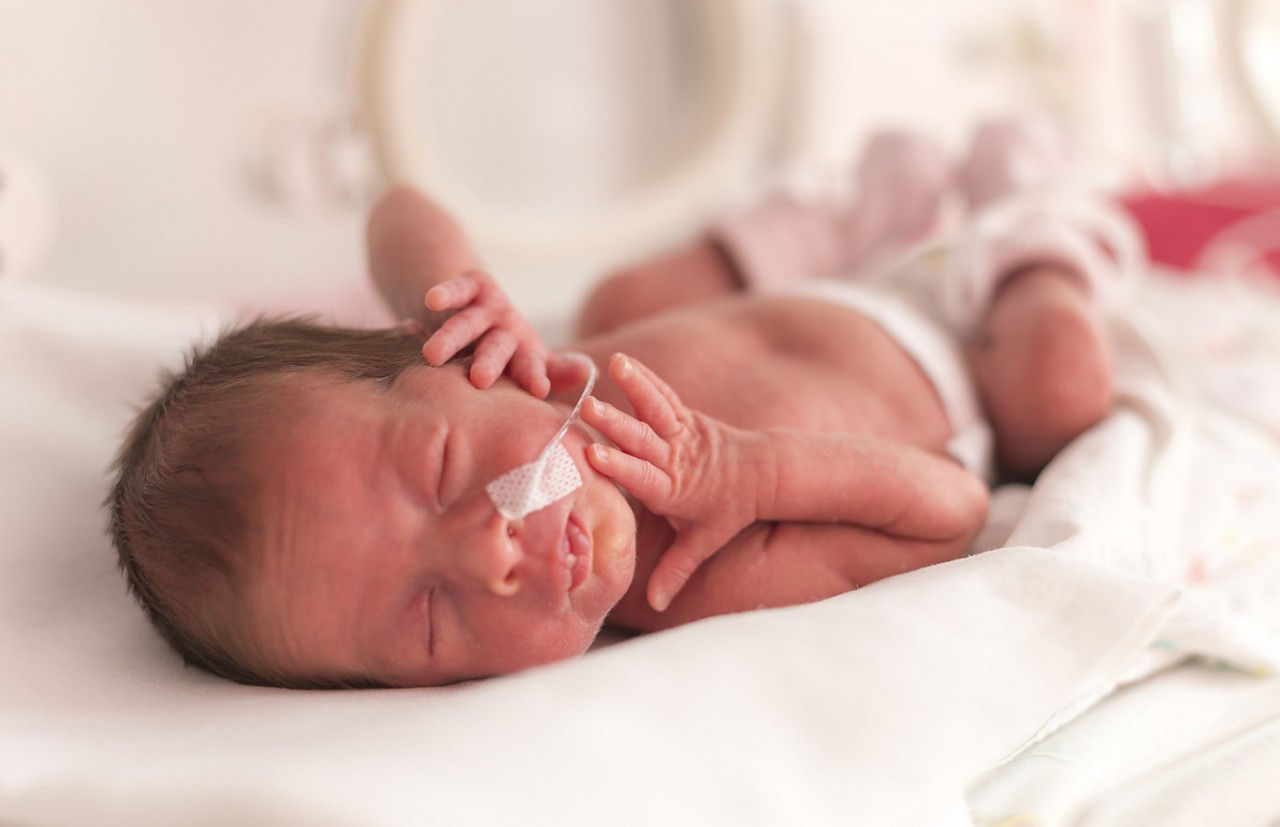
[530, 643]
[616, 543]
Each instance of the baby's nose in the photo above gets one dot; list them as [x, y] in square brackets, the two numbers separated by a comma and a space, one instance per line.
[495, 560]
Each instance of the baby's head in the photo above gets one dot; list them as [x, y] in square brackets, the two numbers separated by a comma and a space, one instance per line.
[305, 506]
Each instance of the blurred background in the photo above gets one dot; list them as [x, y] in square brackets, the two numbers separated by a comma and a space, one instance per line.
[226, 150]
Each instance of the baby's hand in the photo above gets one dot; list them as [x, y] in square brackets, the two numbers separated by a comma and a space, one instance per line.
[688, 467]
[504, 339]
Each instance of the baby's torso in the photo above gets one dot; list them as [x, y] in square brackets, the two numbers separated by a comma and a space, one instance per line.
[772, 362]
[784, 362]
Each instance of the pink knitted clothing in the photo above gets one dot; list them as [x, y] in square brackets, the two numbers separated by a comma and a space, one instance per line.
[1022, 210]
[901, 180]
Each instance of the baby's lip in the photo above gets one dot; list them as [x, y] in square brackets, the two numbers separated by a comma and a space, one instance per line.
[577, 544]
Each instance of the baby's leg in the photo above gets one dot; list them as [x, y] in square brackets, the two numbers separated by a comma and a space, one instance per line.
[1043, 365]
[900, 182]
[694, 273]
[413, 244]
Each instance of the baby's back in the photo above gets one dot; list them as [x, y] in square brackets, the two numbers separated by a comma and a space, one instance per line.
[784, 362]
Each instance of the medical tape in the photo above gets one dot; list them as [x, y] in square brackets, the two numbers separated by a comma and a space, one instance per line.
[551, 476]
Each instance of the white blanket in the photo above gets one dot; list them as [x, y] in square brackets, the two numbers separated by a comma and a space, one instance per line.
[1199, 742]
[903, 702]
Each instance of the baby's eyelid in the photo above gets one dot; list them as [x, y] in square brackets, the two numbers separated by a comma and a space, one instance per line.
[428, 613]
[442, 474]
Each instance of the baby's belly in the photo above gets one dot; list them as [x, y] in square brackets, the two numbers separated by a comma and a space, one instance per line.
[785, 362]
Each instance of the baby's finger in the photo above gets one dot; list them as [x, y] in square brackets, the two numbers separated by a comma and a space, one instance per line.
[491, 357]
[458, 291]
[529, 370]
[651, 485]
[674, 570]
[461, 329]
[651, 406]
[673, 399]
[566, 373]
[628, 433]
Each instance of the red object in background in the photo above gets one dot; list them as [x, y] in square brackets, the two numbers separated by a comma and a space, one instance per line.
[1178, 226]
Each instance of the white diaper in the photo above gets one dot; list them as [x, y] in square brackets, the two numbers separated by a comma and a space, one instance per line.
[938, 355]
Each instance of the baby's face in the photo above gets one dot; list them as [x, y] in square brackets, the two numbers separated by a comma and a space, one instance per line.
[382, 555]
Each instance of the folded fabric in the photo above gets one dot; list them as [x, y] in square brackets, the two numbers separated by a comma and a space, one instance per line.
[880, 706]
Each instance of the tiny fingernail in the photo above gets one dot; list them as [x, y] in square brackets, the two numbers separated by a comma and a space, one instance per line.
[598, 453]
[661, 600]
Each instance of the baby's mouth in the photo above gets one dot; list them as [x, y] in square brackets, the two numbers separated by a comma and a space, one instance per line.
[576, 547]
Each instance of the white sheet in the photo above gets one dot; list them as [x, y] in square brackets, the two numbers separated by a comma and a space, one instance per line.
[1189, 746]
[887, 705]
[1197, 742]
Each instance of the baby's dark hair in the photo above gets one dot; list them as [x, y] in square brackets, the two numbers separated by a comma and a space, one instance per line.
[180, 504]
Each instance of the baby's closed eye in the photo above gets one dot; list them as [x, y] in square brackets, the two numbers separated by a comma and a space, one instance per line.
[428, 617]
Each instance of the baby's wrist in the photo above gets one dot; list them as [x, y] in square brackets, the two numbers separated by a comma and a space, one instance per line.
[758, 463]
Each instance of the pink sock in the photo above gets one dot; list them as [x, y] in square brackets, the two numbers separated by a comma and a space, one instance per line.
[901, 182]
[1027, 208]
[1082, 233]
[1011, 156]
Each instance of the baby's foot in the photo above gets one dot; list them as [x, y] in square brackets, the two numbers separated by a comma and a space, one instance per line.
[1043, 365]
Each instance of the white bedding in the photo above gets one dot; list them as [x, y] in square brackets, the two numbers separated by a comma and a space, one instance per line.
[1046, 680]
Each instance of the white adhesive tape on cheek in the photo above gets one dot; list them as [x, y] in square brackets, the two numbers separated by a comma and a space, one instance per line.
[535, 485]
[551, 476]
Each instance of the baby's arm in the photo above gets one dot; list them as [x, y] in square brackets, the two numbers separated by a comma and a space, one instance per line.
[772, 564]
[413, 244]
[421, 262]
[711, 480]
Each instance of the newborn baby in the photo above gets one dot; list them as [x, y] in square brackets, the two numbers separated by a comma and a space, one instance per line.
[312, 506]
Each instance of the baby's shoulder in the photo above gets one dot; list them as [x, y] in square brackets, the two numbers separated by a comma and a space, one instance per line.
[722, 327]
[697, 332]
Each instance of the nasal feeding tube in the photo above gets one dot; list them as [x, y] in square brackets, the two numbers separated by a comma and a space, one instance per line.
[552, 475]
